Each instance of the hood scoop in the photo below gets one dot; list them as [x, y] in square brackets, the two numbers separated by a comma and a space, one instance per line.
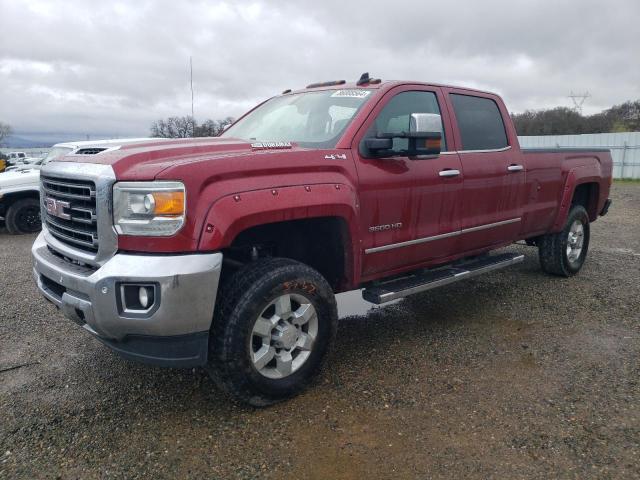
[89, 151]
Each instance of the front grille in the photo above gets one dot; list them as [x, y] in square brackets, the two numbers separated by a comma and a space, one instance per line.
[69, 208]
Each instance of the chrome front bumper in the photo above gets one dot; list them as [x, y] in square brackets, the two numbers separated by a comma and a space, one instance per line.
[187, 286]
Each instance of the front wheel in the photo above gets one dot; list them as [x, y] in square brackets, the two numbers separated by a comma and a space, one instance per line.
[23, 216]
[564, 253]
[273, 326]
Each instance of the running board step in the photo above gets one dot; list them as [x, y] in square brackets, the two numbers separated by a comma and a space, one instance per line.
[401, 287]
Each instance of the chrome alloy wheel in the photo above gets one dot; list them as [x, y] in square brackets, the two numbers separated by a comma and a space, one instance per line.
[575, 240]
[283, 335]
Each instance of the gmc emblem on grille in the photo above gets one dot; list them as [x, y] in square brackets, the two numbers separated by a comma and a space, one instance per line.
[56, 208]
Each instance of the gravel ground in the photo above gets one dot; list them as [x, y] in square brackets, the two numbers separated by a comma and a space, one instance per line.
[512, 375]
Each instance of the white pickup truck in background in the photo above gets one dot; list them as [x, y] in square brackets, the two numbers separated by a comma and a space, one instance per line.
[15, 158]
[20, 187]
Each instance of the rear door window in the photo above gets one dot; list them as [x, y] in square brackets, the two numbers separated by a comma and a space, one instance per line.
[480, 123]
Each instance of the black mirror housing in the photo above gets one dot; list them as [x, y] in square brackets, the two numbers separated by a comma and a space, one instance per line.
[377, 145]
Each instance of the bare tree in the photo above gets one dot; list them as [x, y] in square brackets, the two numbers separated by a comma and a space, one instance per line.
[208, 128]
[212, 128]
[5, 131]
[224, 123]
[174, 127]
[183, 127]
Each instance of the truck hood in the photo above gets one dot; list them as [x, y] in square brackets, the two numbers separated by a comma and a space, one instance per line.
[147, 159]
[20, 178]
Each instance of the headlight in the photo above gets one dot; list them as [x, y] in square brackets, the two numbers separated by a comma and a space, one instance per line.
[155, 209]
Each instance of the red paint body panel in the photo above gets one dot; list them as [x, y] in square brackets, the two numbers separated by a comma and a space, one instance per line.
[400, 190]
[233, 186]
[490, 194]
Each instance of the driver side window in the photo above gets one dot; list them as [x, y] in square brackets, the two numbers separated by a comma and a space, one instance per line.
[394, 117]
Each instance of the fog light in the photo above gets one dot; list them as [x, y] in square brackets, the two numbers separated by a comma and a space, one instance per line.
[143, 296]
[137, 298]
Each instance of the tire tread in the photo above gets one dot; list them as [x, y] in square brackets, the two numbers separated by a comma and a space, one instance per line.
[10, 217]
[239, 288]
[551, 247]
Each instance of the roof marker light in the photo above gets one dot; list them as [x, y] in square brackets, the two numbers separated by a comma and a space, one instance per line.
[326, 84]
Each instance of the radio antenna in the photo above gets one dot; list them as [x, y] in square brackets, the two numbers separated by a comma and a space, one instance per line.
[191, 80]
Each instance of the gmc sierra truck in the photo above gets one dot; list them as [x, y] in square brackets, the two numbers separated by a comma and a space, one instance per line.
[227, 252]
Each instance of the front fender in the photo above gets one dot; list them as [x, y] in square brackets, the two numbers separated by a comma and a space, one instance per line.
[231, 214]
[6, 191]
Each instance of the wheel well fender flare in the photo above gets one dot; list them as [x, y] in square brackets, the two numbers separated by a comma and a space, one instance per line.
[230, 215]
[7, 198]
[575, 177]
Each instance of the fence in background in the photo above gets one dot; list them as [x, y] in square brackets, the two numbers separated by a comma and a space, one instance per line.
[625, 148]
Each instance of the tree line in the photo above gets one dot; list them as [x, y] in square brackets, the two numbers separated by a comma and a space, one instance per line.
[187, 126]
[567, 121]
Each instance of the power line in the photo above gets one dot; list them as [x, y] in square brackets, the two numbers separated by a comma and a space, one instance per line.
[578, 100]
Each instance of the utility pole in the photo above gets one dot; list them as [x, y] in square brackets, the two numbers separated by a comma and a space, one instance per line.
[578, 100]
[191, 70]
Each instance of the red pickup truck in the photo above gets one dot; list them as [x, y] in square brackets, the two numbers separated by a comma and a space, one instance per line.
[227, 252]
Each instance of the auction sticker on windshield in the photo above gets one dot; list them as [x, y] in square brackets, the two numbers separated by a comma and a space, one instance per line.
[351, 93]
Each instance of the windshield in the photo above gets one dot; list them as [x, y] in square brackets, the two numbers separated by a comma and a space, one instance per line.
[311, 119]
[56, 152]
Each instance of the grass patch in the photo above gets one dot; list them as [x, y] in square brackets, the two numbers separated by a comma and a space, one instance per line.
[626, 180]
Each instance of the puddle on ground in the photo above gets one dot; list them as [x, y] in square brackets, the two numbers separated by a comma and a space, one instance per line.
[352, 304]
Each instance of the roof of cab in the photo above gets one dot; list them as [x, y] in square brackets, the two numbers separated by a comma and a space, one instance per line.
[382, 85]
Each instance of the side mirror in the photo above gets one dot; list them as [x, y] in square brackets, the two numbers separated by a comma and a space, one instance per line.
[425, 134]
[423, 138]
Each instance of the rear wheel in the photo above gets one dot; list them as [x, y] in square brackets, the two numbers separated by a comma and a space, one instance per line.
[274, 323]
[564, 253]
[23, 216]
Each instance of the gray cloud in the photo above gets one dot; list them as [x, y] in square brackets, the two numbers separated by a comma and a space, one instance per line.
[113, 68]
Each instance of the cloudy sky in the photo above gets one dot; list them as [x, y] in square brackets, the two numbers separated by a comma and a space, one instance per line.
[111, 68]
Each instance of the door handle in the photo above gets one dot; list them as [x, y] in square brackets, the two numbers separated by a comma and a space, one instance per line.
[515, 168]
[449, 173]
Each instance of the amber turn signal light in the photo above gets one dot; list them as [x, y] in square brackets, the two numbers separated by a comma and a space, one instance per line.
[432, 143]
[168, 203]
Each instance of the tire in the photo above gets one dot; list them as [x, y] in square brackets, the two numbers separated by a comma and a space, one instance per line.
[564, 253]
[23, 216]
[249, 353]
